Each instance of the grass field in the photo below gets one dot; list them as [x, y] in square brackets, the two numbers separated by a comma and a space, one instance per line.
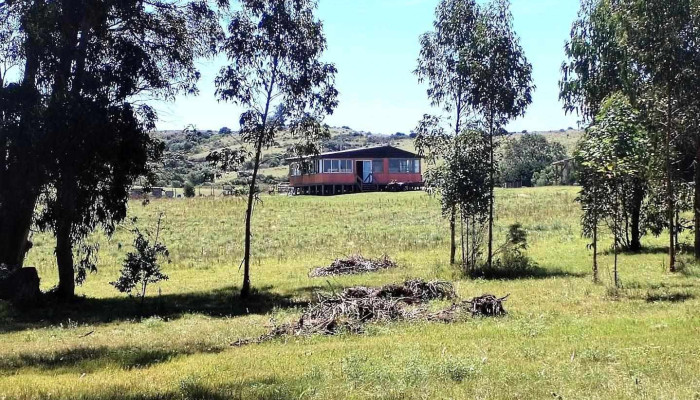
[564, 337]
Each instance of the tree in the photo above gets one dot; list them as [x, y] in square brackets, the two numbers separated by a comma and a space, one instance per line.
[501, 80]
[275, 48]
[598, 66]
[141, 267]
[449, 85]
[662, 38]
[613, 154]
[91, 66]
[225, 131]
[527, 155]
[462, 182]
[189, 189]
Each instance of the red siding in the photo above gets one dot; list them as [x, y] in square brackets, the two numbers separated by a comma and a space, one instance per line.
[350, 179]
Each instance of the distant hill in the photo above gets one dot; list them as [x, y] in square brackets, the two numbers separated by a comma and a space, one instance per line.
[186, 151]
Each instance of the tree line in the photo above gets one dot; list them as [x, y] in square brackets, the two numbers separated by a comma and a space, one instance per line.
[631, 75]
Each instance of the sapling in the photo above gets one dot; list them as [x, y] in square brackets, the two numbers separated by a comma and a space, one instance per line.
[141, 266]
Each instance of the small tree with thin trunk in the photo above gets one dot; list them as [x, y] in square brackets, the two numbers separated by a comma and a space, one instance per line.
[501, 81]
[274, 49]
[613, 152]
[448, 85]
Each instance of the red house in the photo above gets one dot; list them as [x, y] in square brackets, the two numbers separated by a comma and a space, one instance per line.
[358, 170]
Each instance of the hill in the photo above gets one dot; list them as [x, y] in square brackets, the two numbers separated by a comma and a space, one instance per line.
[186, 151]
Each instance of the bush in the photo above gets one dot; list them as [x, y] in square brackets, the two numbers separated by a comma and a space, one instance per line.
[511, 261]
[141, 267]
[189, 189]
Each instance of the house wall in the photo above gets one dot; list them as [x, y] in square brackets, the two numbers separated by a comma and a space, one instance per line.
[350, 178]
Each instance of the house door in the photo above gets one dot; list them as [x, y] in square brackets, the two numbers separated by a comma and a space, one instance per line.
[367, 176]
[363, 170]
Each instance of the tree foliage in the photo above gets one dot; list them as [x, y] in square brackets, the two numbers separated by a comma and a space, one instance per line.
[527, 155]
[613, 156]
[274, 49]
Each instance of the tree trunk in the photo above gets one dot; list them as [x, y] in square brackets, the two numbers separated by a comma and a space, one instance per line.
[670, 203]
[596, 279]
[696, 201]
[16, 216]
[245, 289]
[64, 259]
[489, 261]
[453, 241]
[635, 215]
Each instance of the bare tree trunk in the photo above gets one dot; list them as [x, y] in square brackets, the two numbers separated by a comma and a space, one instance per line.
[635, 215]
[453, 244]
[489, 261]
[64, 259]
[461, 231]
[64, 242]
[696, 201]
[245, 289]
[596, 278]
[670, 203]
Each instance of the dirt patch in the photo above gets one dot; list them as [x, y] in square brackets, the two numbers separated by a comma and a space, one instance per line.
[352, 265]
[354, 307]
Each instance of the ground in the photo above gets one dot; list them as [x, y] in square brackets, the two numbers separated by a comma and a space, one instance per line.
[564, 337]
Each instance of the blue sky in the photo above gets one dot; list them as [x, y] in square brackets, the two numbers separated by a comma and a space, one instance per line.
[374, 44]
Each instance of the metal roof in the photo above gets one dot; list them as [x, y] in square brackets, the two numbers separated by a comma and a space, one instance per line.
[386, 151]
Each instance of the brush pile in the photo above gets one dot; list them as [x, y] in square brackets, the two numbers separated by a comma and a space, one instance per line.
[354, 307]
[487, 305]
[355, 264]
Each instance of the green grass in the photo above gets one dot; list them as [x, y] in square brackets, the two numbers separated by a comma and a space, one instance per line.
[564, 337]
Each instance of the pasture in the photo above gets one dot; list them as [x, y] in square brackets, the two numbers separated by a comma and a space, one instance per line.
[564, 337]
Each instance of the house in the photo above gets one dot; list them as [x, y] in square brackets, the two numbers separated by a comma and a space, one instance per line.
[358, 170]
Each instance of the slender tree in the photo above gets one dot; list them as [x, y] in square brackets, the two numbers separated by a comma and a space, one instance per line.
[661, 37]
[449, 86]
[274, 48]
[613, 152]
[501, 80]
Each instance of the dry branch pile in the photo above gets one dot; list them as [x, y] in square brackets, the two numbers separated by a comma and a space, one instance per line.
[487, 305]
[349, 310]
[355, 264]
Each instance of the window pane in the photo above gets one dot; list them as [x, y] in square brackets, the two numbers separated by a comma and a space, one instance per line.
[394, 166]
[326, 166]
[335, 166]
[377, 166]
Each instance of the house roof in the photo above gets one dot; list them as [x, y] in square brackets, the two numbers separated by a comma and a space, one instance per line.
[386, 151]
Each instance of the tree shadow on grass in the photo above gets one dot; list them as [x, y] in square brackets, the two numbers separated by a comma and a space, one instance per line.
[677, 297]
[223, 302]
[530, 272]
[193, 388]
[649, 250]
[91, 359]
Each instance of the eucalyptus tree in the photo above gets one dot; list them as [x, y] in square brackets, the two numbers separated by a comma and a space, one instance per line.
[463, 182]
[89, 68]
[661, 37]
[613, 152]
[449, 85]
[274, 48]
[500, 80]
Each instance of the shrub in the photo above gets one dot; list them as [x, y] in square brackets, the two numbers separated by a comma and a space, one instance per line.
[511, 262]
[141, 266]
[189, 189]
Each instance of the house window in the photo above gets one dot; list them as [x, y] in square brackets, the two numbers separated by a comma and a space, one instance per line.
[377, 166]
[399, 166]
[337, 166]
[294, 169]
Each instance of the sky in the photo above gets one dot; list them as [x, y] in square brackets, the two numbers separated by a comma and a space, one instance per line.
[374, 44]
